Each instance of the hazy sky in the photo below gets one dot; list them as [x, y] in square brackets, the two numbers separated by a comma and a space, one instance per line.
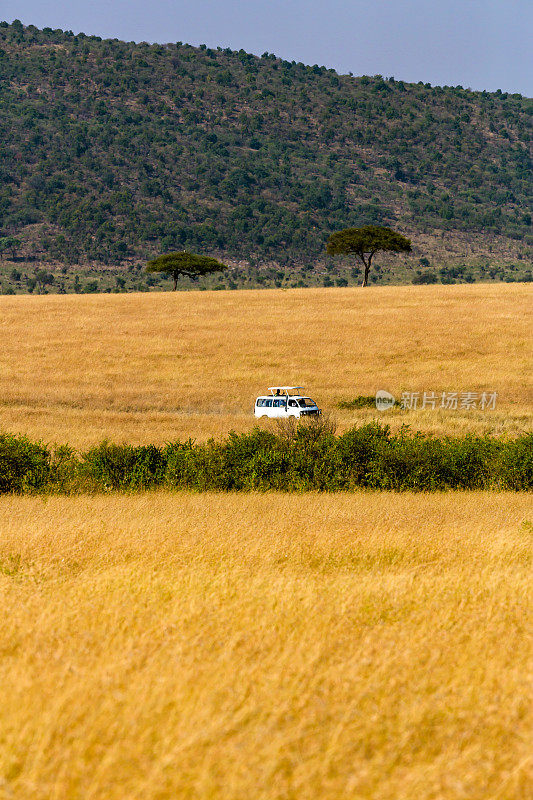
[481, 44]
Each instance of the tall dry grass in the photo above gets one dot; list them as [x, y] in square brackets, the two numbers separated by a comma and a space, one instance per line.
[266, 647]
[153, 367]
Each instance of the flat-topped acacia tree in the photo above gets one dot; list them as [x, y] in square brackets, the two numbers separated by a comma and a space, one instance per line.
[365, 242]
[189, 264]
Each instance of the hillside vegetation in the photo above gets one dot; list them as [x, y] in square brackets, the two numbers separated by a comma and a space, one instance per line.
[111, 152]
[152, 368]
[222, 647]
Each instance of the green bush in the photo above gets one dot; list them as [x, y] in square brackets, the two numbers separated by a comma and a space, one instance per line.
[115, 466]
[424, 277]
[357, 450]
[24, 465]
[514, 467]
[361, 401]
[64, 471]
[300, 456]
[180, 464]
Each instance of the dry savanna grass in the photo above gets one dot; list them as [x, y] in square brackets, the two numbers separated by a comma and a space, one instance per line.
[266, 647]
[164, 366]
[269, 647]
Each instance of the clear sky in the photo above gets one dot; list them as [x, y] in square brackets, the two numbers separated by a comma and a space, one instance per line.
[478, 44]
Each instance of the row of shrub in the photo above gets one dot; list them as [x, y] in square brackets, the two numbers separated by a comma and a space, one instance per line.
[297, 457]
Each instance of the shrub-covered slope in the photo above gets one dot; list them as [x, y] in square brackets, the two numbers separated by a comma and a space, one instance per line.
[112, 150]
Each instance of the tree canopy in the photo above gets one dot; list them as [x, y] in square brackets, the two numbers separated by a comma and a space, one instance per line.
[365, 242]
[189, 264]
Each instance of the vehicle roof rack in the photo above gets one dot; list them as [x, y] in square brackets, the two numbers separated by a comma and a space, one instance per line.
[283, 388]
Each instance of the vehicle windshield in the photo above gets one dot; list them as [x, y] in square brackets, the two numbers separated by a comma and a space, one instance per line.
[305, 402]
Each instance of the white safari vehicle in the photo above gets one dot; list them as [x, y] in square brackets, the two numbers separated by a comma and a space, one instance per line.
[284, 402]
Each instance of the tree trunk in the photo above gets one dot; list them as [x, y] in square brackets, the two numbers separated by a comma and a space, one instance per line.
[367, 268]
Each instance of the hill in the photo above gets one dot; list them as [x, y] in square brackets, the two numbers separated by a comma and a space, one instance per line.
[111, 152]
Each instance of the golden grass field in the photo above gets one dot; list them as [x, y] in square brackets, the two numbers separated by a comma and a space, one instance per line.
[263, 647]
[164, 366]
[266, 647]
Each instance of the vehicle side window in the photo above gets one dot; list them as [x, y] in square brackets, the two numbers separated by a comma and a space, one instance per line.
[279, 403]
[260, 402]
[268, 403]
[293, 404]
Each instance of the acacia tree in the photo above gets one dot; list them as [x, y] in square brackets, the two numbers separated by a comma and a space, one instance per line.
[9, 243]
[189, 264]
[365, 242]
[43, 279]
